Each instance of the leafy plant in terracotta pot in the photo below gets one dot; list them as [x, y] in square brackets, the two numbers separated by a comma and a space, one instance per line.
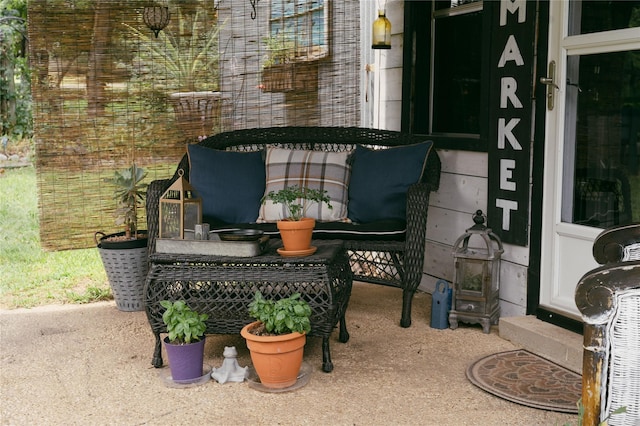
[280, 50]
[278, 65]
[277, 338]
[296, 229]
[185, 340]
[188, 51]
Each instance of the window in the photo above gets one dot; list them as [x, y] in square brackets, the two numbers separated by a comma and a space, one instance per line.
[456, 65]
[445, 90]
[300, 26]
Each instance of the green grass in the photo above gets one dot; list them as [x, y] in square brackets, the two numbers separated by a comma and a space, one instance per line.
[30, 276]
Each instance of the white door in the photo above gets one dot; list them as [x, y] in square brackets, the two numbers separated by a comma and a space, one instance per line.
[592, 138]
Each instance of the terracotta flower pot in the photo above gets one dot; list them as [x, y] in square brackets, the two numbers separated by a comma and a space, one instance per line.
[296, 234]
[276, 359]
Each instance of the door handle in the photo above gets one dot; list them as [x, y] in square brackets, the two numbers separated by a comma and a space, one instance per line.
[549, 81]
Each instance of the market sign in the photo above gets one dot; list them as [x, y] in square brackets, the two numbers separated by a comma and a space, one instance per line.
[510, 117]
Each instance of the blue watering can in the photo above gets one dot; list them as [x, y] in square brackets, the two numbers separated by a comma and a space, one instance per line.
[441, 305]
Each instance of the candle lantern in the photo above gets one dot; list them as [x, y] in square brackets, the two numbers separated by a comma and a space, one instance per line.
[180, 210]
[156, 18]
[381, 32]
[476, 281]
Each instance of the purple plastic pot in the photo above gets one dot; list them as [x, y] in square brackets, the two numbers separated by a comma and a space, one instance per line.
[185, 361]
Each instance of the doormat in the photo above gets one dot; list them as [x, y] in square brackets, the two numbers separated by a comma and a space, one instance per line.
[528, 379]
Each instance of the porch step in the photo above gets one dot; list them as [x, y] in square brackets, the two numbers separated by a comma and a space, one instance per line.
[547, 340]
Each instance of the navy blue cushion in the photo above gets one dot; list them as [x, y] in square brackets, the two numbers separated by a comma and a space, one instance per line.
[231, 184]
[380, 180]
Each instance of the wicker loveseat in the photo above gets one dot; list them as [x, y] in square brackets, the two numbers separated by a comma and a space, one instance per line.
[382, 252]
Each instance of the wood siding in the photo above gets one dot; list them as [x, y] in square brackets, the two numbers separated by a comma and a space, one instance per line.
[463, 186]
[463, 190]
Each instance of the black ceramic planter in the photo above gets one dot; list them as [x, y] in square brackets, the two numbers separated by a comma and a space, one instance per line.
[104, 242]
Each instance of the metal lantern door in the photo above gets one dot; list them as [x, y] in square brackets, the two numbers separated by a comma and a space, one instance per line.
[180, 210]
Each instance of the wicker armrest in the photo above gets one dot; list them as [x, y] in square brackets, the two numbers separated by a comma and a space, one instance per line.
[608, 298]
[596, 290]
[610, 245]
[417, 208]
[431, 175]
[154, 191]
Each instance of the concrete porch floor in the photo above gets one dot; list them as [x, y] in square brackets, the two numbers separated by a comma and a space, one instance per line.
[91, 365]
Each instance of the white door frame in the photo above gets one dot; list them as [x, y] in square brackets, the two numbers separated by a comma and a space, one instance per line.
[566, 247]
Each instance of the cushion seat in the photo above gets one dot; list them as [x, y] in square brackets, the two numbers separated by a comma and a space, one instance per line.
[382, 230]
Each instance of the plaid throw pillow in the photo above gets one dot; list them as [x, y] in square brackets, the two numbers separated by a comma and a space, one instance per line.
[322, 170]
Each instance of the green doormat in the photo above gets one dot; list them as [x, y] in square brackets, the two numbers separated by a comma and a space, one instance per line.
[525, 378]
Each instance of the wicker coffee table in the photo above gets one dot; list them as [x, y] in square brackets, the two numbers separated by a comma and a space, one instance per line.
[223, 287]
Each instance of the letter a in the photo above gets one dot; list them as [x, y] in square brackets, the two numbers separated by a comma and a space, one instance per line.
[511, 52]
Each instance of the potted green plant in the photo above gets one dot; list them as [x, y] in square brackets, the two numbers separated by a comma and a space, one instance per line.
[280, 50]
[189, 53]
[130, 194]
[277, 338]
[185, 340]
[278, 65]
[286, 67]
[124, 254]
[295, 228]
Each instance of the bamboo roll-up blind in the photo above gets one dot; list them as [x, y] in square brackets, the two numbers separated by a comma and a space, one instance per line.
[104, 90]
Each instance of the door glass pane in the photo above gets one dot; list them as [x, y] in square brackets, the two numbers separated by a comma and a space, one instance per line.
[595, 16]
[602, 183]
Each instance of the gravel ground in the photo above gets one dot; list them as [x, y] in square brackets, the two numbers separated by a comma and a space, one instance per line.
[90, 365]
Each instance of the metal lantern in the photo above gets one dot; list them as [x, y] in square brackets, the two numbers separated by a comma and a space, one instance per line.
[476, 281]
[180, 210]
[156, 18]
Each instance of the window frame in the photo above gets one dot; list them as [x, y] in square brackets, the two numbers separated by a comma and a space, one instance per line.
[417, 116]
[303, 53]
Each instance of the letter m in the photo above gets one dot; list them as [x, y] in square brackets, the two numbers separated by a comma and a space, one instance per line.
[513, 6]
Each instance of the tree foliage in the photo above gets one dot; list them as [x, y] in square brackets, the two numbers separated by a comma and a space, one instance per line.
[15, 78]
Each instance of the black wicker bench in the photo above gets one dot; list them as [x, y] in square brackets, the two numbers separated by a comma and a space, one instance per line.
[382, 252]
